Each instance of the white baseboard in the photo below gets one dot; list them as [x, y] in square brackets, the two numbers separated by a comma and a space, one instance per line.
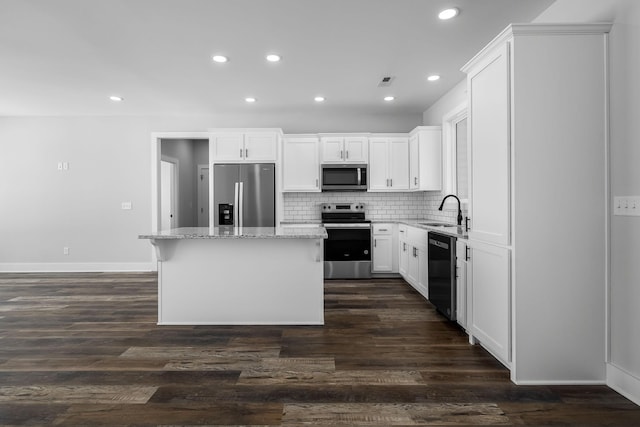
[560, 382]
[624, 383]
[75, 267]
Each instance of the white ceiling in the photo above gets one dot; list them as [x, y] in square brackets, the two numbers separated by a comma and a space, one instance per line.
[65, 57]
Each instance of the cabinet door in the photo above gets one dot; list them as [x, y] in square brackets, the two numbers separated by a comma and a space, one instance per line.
[356, 149]
[423, 272]
[382, 254]
[260, 147]
[461, 284]
[414, 162]
[404, 259]
[490, 149]
[430, 167]
[378, 164]
[301, 168]
[413, 268]
[489, 299]
[227, 147]
[332, 149]
[399, 163]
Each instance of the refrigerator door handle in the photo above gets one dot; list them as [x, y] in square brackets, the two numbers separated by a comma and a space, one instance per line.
[241, 206]
[235, 204]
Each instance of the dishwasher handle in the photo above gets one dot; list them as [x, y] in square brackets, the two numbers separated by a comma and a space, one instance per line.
[438, 244]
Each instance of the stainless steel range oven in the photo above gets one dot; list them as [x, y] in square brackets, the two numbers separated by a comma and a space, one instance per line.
[347, 250]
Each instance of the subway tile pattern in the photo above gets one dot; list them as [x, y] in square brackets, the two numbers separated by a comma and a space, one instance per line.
[379, 206]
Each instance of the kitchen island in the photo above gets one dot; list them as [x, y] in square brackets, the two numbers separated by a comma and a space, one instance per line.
[240, 275]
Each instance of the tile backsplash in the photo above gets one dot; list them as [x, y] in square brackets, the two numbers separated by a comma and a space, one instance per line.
[379, 206]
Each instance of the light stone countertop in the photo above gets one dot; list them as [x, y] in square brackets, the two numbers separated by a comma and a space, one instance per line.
[238, 233]
[455, 230]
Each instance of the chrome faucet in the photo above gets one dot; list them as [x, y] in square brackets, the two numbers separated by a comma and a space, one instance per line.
[459, 207]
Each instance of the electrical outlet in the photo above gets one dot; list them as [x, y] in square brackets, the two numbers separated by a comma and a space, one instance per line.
[65, 251]
[59, 166]
[626, 205]
[126, 206]
[65, 165]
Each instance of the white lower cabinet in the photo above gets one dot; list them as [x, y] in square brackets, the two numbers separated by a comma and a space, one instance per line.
[413, 264]
[461, 283]
[384, 244]
[403, 251]
[488, 302]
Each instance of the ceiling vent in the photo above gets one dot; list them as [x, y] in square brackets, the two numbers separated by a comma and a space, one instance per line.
[386, 81]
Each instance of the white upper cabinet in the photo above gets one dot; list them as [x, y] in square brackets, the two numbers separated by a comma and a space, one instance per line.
[489, 110]
[425, 158]
[301, 165]
[389, 163]
[344, 149]
[244, 146]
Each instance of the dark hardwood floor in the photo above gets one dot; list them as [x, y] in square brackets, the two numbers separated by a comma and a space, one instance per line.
[84, 349]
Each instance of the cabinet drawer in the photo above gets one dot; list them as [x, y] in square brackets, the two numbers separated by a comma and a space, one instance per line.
[382, 229]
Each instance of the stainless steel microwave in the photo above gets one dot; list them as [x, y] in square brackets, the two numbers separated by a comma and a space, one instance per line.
[344, 177]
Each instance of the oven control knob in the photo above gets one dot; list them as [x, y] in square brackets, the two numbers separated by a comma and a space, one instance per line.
[366, 252]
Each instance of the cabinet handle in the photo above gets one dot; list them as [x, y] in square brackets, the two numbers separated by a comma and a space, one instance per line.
[415, 180]
[467, 220]
[383, 229]
[375, 242]
[347, 154]
[391, 182]
[414, 252]
[246, 153]
[241, 153]
[467, 254]
[341, 154]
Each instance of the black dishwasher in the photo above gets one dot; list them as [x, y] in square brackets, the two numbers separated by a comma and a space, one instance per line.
[442, 273]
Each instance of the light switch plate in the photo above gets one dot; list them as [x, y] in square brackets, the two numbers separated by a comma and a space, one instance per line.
[126, 206]
[626, 205]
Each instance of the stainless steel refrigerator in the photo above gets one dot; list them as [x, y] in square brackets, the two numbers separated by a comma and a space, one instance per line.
[244, 195]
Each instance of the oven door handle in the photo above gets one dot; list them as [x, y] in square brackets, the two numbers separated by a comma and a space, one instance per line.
[354, 225]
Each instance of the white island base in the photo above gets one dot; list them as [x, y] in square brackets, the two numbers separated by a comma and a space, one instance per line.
[245, 280]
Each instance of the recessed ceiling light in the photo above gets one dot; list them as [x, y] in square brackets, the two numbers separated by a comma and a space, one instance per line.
[389, 98]
[250, 99]
[449, 13]
[319, 98]
[116, 98]
[433, 77]
[220, 58]
[273, 57]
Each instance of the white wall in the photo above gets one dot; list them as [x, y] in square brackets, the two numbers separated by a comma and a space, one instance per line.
[43, 210]
[449, 101]
[624, 368]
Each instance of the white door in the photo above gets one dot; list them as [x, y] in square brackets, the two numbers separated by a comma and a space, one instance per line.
[489, 151]
[227, 146]
[356, 149]
[301, 168]
[203, 195]
[378, 164]
[260, 146]
[399, 163]
[414, 162]
[489, 299]
[382, 254]
[168, 194]
[332, 149]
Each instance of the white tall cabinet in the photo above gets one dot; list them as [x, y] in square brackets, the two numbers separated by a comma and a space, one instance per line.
[538, 148]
